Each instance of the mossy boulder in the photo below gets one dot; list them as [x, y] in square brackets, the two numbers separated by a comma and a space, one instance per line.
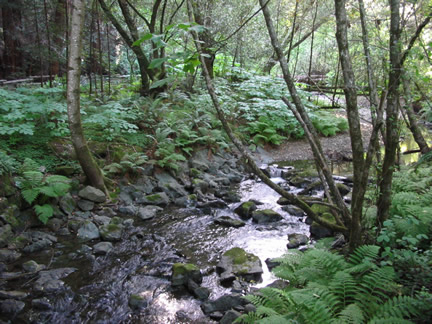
[244, 210]
[157, 199]
[236, 262]
[137, 301]
[343, 189]
[183, 272]
[111, 232]
[265, 216]
[92, 194]
[296, 239]
[229, 222]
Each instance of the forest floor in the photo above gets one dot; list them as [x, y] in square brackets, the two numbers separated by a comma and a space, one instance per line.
[335, 147]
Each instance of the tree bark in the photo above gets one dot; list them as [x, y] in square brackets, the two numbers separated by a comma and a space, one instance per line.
[88, 164]
[392, 128]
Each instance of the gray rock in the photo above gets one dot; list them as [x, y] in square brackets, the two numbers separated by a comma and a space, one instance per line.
[102, 248]
[200, 293]
[148, 212]
[213, 204]
[32, 266]
[85, 205]
[9, 256]
[318, 232]
[63, 232]
[244, 210]
[82, 214]
[111, 232]
[236, 262]
[5, 235]
[272, 263]
[223, 304]
[343, 188]
[88, 231]
[101, 220]
[11, 306]
[107, 212]
[283, 201]
[265, 216]
[230, 317]
[48, 281]
[295, 240]
[128, 222]
[54, 224]
[38, 246]
[293, 210]
[170, 185]
[137, 301]
[67, 204]
[158, 199]
[229, 222]
[125, 198]
[183, 272]
[13, 294]
[130, 210]
[42, 303]
[92, 194]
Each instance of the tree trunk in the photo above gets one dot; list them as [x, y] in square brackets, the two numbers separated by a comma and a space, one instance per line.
[59, 31]
[392, 127]
[88, 164]
[13, 62]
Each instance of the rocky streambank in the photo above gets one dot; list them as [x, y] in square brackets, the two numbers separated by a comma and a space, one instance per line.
[170, 248]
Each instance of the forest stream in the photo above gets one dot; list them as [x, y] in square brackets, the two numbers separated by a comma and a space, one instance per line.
[97, 288]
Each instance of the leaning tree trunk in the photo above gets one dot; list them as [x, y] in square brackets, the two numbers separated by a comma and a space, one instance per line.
[88, 164]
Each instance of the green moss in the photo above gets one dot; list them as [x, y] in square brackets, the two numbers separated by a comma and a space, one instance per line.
[182, 268]
[194, 172]
[320, 209]
[116, 220]
[154, 197]
[193, 197]
[112, 227]
[238, 255]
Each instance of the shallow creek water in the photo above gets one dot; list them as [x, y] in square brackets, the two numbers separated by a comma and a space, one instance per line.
[99, 291]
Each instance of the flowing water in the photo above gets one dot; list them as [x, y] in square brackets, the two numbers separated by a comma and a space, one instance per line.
[99, 291]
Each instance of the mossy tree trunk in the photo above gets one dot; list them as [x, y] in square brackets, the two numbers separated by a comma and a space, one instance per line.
[88, 164]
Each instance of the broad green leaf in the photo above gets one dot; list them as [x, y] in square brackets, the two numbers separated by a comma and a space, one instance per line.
[157, 63]
[146, 37]
[30, 195]
[44, 212]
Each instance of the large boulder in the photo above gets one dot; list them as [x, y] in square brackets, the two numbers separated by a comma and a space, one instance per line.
[223, 304]
[5, 235]
[244, 210]
[67, 204]
[148, 212]
[170, 185]
[92, 194]
[229, 222]
[236, 262]
[49, 280]
[265, 216]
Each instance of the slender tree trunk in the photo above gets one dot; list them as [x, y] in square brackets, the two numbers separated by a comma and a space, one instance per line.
[38, 41]
[47, 25]
[88, 164]
[100, 65]
[312, 39]
[109, 58]
[392, 128]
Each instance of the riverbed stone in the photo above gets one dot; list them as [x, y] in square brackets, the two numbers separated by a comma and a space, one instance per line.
[158, 199]
[11, 306]
[245, 209]
[111, 232]
[293, 210]
[9, 256]
[137, 301]
[42, 303]
[201, 293]
[67, 204]
[48, 281]
[343, 189]
[37, 246]
[318, 231]
[183, 272]
[130, 210]
[102, 248]
[229, 222]
[92, 194]
[88, 231]
[32, 266]
[85, 205]
[13, 294]
[236, 262]
[230, 316]
[170, 185]
[265, 216]
[283, 201]
[296, 239]
[213, 204]
[223, 304]
[101, 220]
[5, 235]
[148, 211]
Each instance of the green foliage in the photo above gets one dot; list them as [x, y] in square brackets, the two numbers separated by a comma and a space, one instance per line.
[130, 163]
[7, 164]
[38, 187]
[325, 288]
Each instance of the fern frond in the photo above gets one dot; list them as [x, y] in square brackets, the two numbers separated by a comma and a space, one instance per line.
[44, 212]
[276, 319]
[32, 179]
[343, 285]
[399, 307]
[30, 195]
[351, 314]
[363, 267]
[363, 252]
[390, 320]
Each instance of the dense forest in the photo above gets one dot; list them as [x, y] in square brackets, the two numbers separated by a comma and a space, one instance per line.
[151, 150]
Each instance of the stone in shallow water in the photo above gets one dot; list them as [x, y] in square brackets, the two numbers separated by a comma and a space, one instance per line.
[111, 232]
[229, 222]
[295, 240]
[13, 294]
[158, 199]
[265, 216]
[48, 281]
[137, 301]
[88, 231]
[32, 266]
[148, 212]
[183, 272]
[9, 256]
[293, 210]
[245, 209]
[102, 248]
[11, 306]
[223, 304]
